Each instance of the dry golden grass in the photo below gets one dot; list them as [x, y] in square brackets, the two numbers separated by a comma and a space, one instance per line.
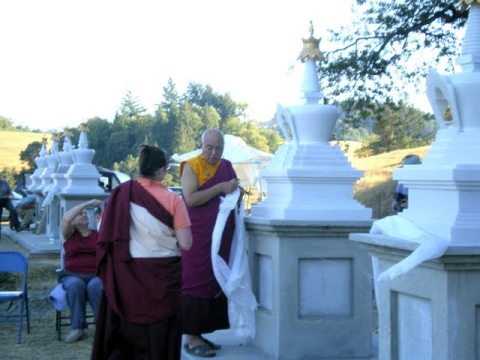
[11, 144]
[375, 189]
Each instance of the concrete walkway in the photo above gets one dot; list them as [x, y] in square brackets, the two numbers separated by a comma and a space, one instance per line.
[236, 348]
[233, 347]
[36, 244]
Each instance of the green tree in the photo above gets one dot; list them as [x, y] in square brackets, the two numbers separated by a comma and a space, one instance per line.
[167, 116]
[10, 176]
[131, 108]
[232, 126]
[187, 127]
[99, 132]
[210, 116]
[398, 126]
[28, 155]
[6, 124]
[131, 127]
[390, 44]
[118, 147]
[274, 140]
[225, 106]
[128, 166]
[354, 134]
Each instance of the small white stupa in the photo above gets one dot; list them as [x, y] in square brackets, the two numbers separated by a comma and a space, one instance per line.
[41, 163]
[66, 160]
[82, 177]
[308, 178]
[52, 162]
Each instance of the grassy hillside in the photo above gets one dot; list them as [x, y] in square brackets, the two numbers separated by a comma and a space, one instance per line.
[375, 189]
[11, 144]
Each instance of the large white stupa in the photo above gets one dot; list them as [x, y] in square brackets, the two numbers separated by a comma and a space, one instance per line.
[308, 178]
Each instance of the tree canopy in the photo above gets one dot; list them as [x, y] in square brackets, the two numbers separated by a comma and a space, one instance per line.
[398, 126]
[28, 155]
[176, 125]
[388, 46]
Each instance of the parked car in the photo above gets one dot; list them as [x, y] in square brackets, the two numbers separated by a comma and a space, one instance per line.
[177, 189]
[15, 200]
[110, 179]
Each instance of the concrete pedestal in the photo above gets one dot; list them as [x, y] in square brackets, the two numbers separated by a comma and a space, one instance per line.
[314, 289]
[431, 312]
[53, 218]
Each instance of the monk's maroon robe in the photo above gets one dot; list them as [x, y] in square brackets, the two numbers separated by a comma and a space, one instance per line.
[204, 307]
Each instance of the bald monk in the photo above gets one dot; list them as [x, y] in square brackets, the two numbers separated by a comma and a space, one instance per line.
[205, 178]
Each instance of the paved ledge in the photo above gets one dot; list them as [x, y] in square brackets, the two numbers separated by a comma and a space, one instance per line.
[36, 244]
[238, 348]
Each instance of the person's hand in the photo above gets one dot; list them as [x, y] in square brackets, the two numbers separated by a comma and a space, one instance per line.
[94, 203]
[229, 186]
[404, 204]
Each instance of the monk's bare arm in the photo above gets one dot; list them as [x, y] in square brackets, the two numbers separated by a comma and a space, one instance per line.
[194, 197]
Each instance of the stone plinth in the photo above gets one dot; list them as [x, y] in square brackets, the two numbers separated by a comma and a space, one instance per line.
[53, 218]
[433, 311]
[313, 287]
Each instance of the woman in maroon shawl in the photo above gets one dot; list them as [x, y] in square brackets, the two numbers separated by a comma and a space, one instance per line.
[144, 226]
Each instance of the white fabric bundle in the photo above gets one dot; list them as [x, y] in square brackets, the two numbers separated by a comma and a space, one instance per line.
[234, 279]
[396, 226]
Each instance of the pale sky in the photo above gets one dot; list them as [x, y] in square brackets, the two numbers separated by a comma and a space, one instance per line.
[62, 61]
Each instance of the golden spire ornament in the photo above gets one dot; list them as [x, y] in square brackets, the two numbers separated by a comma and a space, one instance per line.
[67, 132]
[311, 47]
[83, 127]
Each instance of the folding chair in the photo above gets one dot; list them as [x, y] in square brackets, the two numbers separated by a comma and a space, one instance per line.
[64, 320]
[15, 262]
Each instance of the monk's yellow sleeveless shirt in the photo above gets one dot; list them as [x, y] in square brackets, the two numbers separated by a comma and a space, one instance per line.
[201, 168]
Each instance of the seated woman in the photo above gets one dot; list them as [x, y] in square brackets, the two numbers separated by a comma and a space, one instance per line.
[79, 274]
[144, 226]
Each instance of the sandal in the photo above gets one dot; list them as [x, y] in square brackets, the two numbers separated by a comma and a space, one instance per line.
[199, 350]
[212, 345]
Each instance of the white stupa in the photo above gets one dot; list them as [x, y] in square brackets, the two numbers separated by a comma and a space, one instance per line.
[308, 178]
[65, 161]
[444, 191]
[41, 163]
[52, 162]
[82, 177]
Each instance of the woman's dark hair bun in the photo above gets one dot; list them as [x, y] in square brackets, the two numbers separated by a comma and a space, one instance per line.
[150, 159]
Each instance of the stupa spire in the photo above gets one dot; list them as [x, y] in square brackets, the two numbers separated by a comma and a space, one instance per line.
[311, 47]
